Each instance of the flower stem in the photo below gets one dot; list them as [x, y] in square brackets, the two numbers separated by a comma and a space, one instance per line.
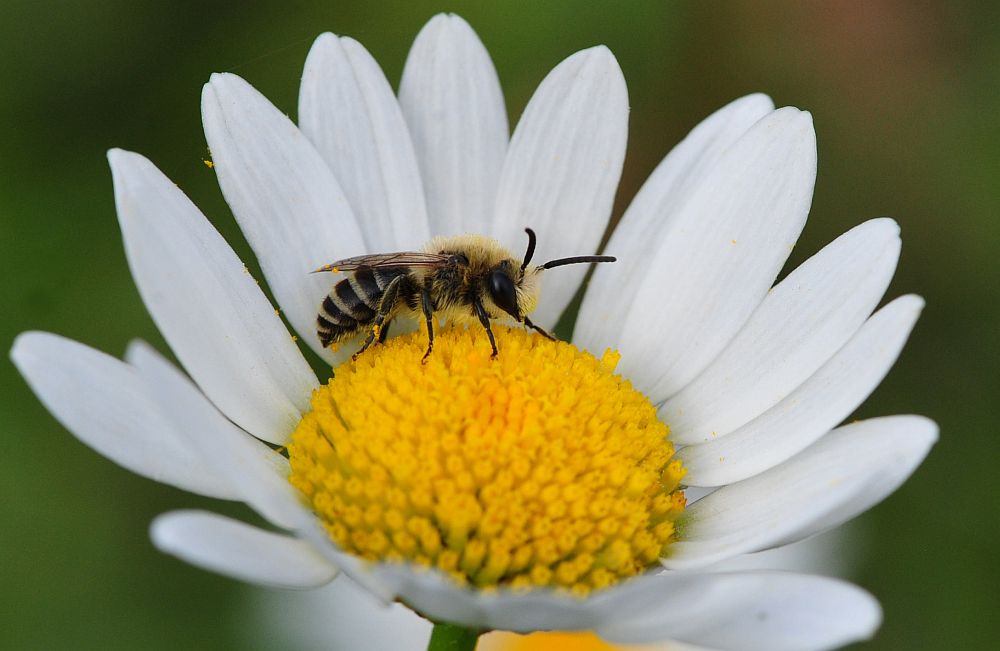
[448, 637]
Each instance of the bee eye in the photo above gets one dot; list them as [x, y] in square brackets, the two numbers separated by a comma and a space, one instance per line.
[503, 293]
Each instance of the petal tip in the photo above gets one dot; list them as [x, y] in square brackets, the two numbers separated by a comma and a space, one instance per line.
[926, 429]
[879, 227]
[118, 159]
[162, 532]
[23, 344]
[599, 55]
[446, 27]
[207, 92]
[455, 20]
[447, 19]
[116, 155]
[325, 38]
[890, 223]
[792, 118]
[224, 82]
[137, 351]
[593, 66]
[758, 97]
[912, 302]
[868, 629]
[437, 26]
[353, 48]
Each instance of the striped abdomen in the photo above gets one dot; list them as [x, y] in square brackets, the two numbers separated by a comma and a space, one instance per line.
[352, 303]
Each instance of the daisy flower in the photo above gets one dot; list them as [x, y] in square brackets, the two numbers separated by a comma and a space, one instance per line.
[552, 488]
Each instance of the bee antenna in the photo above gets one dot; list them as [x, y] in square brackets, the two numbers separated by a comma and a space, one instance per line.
[578, 259]
[531, 248]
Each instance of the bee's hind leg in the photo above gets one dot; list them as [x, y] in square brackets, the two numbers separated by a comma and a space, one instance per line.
[385, 307]
[427, 305]
[384, 332]
[485, 320]
[368, 341]
[531, 325]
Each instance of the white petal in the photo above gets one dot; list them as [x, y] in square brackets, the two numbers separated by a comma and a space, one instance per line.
[753, 611]
[238, 550]
[451, 98]
[338, 616]
[439, 599]
[562, 169]
[254, 470]
[800, 324]
[349, 112]
[637, 236]
[719, 255]
[214, 316]
[383, 587]
[837, 552]
[848, 471]
[102, 401]
[813, 409]
[680, 606]
[288, 204]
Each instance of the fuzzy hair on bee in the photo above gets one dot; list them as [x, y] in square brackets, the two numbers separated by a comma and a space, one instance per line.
[463, 278]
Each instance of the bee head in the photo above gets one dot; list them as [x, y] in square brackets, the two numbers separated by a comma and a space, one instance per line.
[514, 289]
[502, 285]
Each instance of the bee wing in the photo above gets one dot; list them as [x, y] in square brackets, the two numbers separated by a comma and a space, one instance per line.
[384, 260]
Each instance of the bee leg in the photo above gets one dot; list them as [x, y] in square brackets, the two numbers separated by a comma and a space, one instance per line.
[427, 304]
[384, 332]
[385, 306]
[376, 326]
[485, 320]
[531, 325]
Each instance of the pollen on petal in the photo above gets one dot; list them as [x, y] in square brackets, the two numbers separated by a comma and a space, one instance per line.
[540, 469]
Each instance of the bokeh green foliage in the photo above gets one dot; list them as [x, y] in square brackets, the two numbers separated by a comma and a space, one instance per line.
[905, 100]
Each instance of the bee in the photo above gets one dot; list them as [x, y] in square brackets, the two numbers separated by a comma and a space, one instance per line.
[464, 278]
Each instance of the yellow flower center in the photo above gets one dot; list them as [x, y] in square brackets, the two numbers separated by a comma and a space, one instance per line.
[539, 469]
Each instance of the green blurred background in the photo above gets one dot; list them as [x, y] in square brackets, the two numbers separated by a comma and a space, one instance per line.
[905, 98]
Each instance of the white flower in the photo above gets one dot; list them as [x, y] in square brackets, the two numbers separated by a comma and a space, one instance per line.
[752, 379]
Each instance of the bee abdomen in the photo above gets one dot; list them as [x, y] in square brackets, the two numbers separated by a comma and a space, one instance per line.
[371, 284]
[341, 314]
[352, 303]
[329, 332]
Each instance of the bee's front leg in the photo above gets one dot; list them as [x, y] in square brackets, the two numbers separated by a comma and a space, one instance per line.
[531, 325]
[485, 320]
